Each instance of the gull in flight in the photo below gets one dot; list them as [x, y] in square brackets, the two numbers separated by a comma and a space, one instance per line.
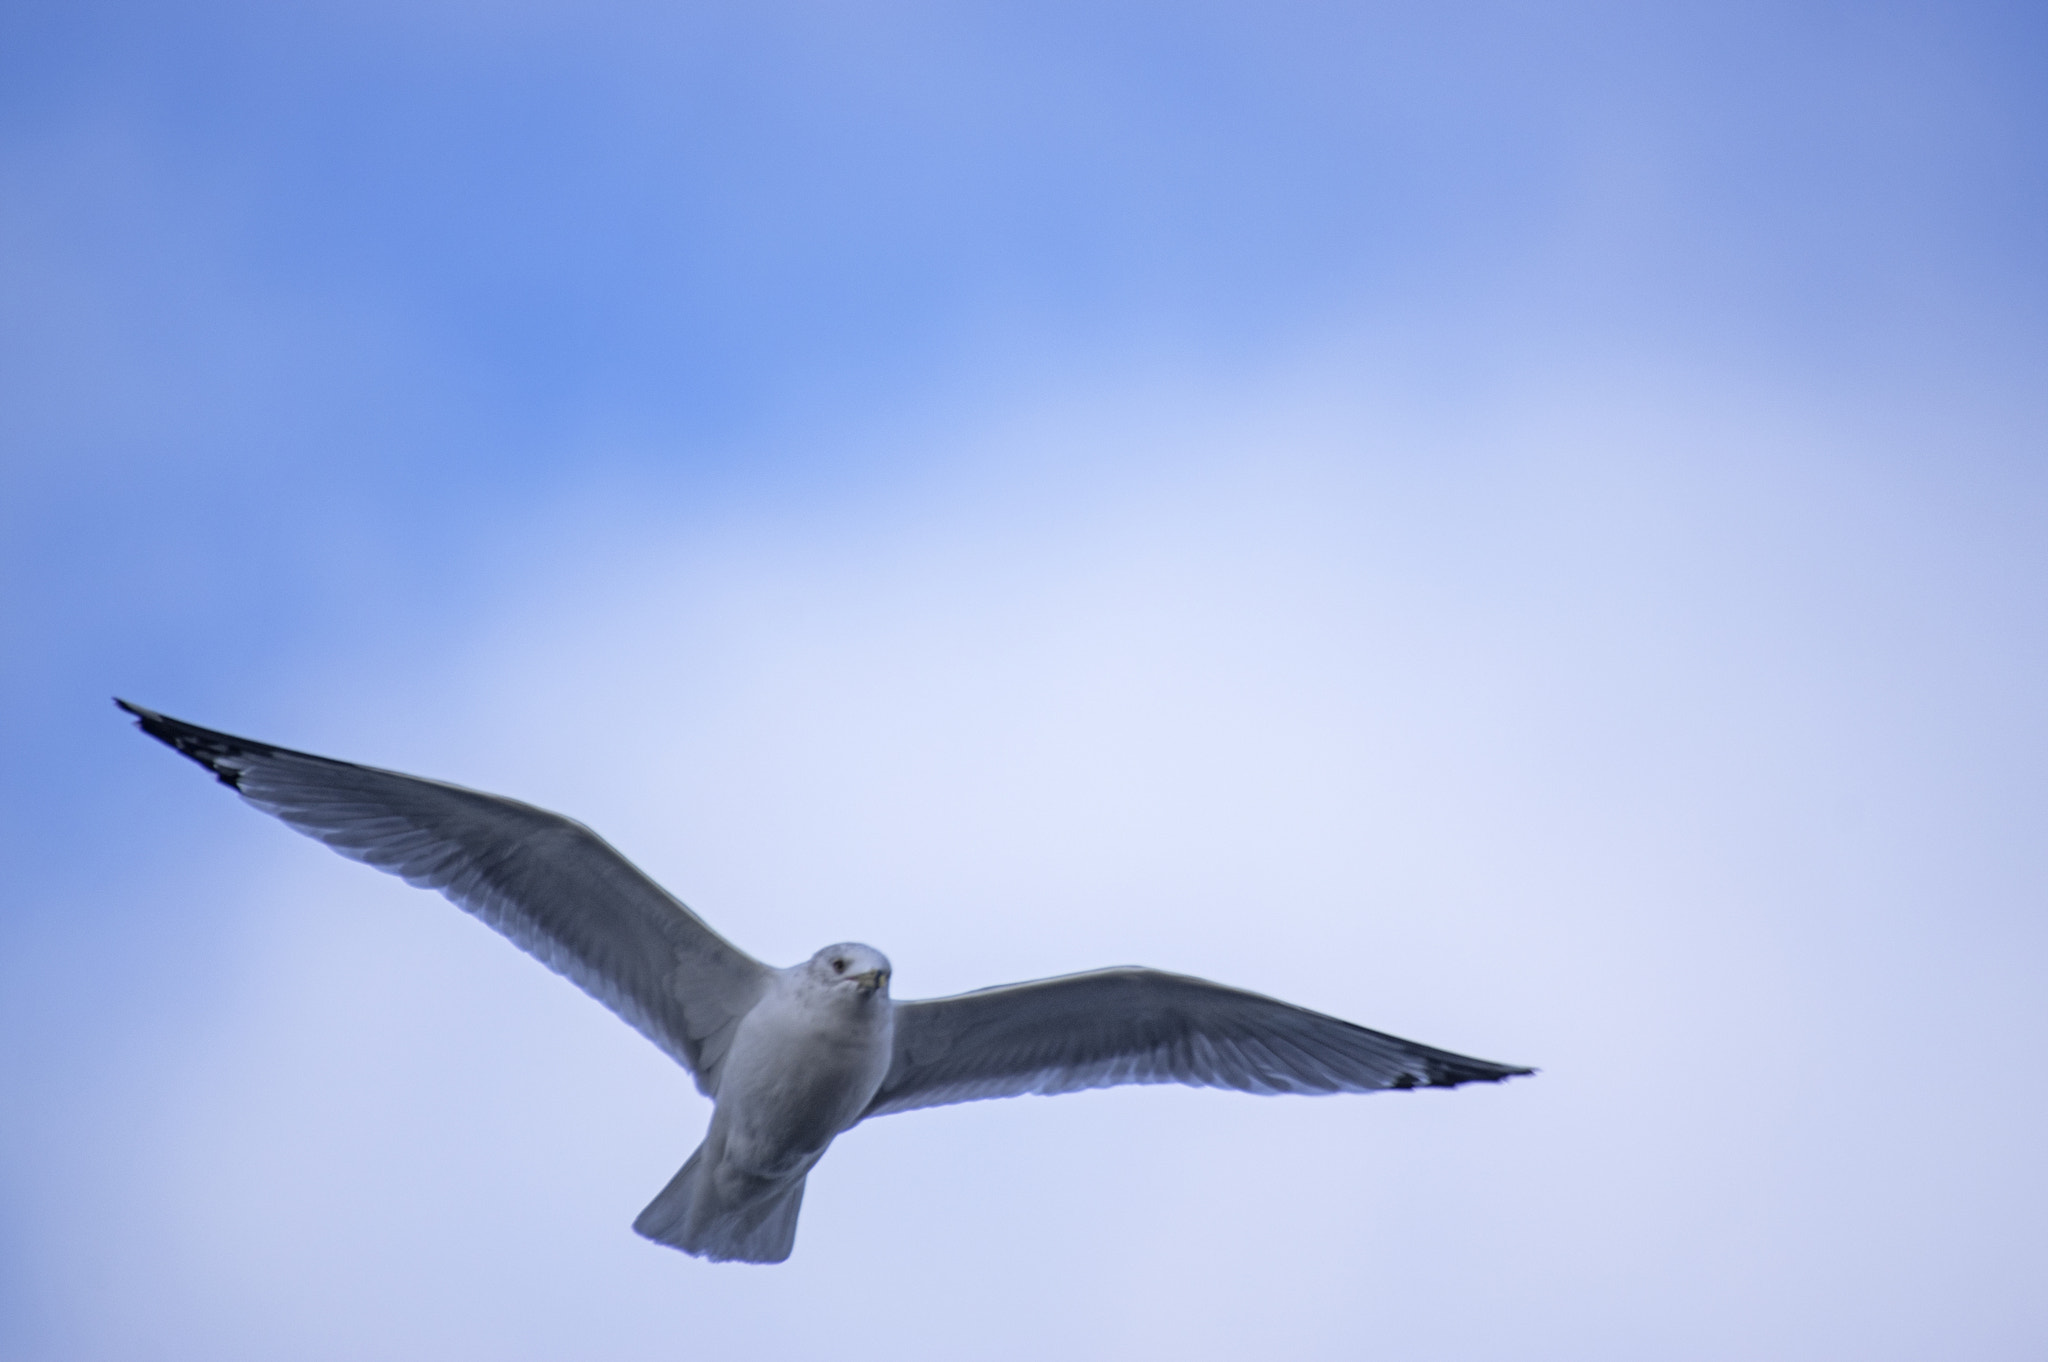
[792, 1057]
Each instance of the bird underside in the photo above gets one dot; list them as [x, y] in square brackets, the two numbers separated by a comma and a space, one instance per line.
[560, 893]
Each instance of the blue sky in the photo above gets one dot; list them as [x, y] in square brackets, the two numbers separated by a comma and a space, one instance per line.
[1521, 527]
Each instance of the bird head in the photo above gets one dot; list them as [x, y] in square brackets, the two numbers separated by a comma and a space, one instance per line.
[852, 965]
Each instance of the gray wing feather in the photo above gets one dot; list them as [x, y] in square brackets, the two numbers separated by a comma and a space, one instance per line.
[1132, 1025]
[551, 885]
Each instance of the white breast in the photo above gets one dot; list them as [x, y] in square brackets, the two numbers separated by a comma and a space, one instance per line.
[804, 1064]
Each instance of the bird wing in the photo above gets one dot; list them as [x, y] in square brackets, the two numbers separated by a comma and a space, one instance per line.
[1133, 1025]
[549, 884]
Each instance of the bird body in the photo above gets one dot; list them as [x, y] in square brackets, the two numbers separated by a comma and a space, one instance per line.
[804, 1064]
[791, 1058]
[806, 1061]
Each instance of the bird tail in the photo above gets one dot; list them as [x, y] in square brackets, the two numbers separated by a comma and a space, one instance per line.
[691, 1216]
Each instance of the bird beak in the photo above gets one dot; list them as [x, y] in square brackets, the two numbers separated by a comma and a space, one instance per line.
[870, 980]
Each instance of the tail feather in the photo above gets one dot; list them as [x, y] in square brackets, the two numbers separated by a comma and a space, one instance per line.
[687, 1215]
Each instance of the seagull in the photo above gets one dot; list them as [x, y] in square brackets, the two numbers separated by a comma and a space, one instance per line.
[792, 1058]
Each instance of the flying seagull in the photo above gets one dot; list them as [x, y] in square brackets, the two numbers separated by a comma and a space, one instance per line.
[792, 1057]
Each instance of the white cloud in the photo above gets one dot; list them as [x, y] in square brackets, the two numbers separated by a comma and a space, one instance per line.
[1632, 731]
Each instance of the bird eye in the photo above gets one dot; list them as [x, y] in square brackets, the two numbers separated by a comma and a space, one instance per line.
[839, 967]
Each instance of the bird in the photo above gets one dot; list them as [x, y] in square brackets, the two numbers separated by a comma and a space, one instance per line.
[792, 1058]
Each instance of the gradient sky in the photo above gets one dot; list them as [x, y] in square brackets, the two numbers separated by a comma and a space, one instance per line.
[1521, 526]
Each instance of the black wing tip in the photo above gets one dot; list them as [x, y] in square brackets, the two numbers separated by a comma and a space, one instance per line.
[210, 749]
[1466, 1071]
[1490, 1073]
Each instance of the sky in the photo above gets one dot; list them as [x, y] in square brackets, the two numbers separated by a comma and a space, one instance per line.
[1524, 527]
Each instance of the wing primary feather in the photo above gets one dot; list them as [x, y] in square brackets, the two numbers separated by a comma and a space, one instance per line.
[546, 883]
[1132, 1025]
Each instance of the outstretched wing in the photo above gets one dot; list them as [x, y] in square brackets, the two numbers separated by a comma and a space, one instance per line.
[551, 885]
[1133, 1025]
